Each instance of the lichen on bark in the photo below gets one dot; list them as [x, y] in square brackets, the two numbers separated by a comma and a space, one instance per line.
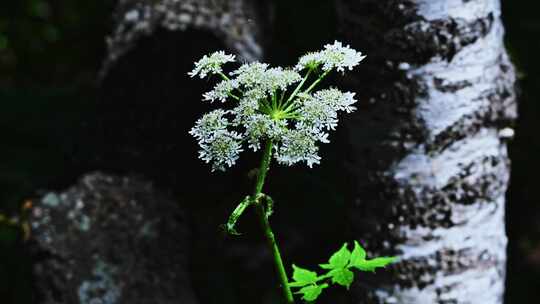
[110, 240]
[430, 146]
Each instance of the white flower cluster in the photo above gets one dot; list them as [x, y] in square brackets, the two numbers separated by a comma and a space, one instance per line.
[221, 91]
[255, 78]
[299, 145]
[260, 126]
[211, 64]
[334, 56]
[262, 81]
[218, 145]
[267, 109]
[317, 114]
[320, 110]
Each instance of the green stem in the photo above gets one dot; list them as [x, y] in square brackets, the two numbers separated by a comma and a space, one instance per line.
[223, 76]
[228, 79]
[317, 81]
[289, 104]
[265, 106]
[274, 100]
[289, 107]
[271, 241]
[293, 95]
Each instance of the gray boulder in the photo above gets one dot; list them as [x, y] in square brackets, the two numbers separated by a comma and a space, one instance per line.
[110, 239]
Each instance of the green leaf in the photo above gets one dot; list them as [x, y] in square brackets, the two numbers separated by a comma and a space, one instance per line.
[343, 277]
[312, 292]
[235, 215]
[340, 259]
[371, 265]
[358, 255]
[303, 277]
[339, 266]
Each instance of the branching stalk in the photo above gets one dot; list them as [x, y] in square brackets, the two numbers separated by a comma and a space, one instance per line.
[316, 82]
[300, 85]
[228, 79]
[221, 142]
[270, 239]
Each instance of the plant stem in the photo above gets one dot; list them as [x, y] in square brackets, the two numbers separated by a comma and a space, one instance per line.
[228, 79]
[293, 95]
[223, 76]
[271, 241]
[317, 82]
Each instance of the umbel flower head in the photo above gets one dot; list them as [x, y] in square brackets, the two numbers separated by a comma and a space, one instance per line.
[272, 105]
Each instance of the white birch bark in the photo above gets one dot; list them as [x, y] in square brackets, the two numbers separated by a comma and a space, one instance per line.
[430, 147]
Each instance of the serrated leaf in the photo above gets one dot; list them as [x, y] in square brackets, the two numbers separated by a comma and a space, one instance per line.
[326, 266]
[371, 265]
[303, 277]
[343, 277]
[358, 255]
[340, 259]
[312, 292]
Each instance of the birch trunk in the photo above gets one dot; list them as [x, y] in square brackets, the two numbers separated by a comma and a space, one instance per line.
[430, 147]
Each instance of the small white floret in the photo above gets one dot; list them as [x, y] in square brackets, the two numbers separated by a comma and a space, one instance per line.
[211, 64]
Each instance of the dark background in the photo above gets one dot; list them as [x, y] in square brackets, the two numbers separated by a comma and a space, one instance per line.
[51, 51]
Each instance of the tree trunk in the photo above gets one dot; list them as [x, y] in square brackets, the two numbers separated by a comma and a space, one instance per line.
[430, 147]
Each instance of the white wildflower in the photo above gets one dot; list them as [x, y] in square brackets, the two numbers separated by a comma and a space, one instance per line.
[262, 126]
[320, 111]
[258, 77]
[278, 78]
[251, 75]
[266, 109]
[309, 61]
[209, 124]
[317, 133]
[222, 149]
[340, 57]
[279, 128]
[318, 114]
[257, 126]
[211, 64]
[334, 56]
[221, 91]
[337, 99]
[297, 146]
[246, 107]
[255, 94]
